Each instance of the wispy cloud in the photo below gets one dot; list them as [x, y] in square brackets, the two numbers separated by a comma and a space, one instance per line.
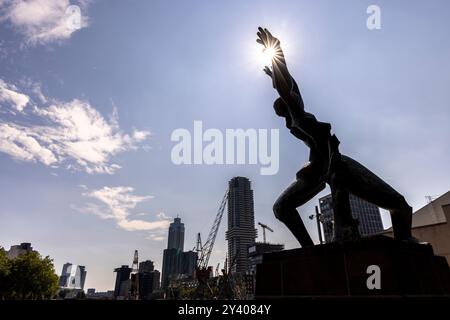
[117, 203]
[10, 95]
[44, 21]
[71, 134]
[155, 237]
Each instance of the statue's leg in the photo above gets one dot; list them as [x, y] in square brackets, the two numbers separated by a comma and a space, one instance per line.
[297, 194]
[345, 226]
[366, 185]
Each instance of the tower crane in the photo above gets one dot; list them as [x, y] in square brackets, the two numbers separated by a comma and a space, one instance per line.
[202, 271]
[264, 227]
[206, 249]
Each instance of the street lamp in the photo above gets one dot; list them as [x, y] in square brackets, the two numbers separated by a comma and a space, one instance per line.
[319, 218]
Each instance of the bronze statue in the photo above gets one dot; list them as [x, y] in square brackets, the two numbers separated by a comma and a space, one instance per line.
[326, 165]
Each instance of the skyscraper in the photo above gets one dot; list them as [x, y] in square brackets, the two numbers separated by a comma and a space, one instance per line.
[367, 214]
[122, 281]
[176, 235]
[72, 276]
[241, 233]
[148, 279]
[175, 261]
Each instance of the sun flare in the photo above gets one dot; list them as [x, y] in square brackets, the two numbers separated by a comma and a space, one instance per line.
[267, 54]
[263, 56]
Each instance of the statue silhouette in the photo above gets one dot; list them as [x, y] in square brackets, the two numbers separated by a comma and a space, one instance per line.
[326, 165]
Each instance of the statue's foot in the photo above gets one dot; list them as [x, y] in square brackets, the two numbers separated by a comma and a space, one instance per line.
[347, 233]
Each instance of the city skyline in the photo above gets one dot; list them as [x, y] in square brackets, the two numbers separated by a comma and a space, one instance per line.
[86, 116]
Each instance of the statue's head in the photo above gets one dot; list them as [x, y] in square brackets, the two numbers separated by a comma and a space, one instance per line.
[281, 109]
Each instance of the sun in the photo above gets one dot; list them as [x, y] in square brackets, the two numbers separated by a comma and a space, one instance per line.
[263, 56]
[269, 52]
[267, 55]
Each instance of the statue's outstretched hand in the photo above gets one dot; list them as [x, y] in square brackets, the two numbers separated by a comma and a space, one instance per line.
[281, 78]
[269, 42]
[267, 39]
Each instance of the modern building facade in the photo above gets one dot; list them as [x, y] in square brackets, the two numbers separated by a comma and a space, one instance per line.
[18, 250]
[146, 266]
[122, 282]
[176, 235]
[189, 263]
[241, 233]
[431, 224]
[368, 215]
[148, 279]
[171, 265]
[176, 263]
[172, 256]
[72, 276]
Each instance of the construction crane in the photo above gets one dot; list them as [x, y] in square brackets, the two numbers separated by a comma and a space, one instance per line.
[202, 271]
[264, 227]
[198, 246]
[206, 249]
[134, 277]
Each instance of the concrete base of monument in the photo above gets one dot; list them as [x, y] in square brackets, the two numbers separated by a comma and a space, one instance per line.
[376, 266]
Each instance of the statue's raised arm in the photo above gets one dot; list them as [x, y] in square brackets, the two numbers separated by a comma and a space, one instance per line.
[283, 82]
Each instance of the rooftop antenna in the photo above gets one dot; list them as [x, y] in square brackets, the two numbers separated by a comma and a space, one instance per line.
[430, 198]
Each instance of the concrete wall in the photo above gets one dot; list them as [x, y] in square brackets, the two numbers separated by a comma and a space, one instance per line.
[437, 233]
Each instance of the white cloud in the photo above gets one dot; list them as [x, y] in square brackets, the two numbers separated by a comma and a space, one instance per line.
[43, 21]
[10, 95]
[36, 89]
[73, 134]
[116, 203]
[155, 237]
[22, 144]
[163, 216]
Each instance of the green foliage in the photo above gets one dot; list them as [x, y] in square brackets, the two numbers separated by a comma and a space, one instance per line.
[4, 272]
[28, 276]
[186, 293]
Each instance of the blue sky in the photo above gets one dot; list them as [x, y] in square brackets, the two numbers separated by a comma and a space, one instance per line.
[86, 115]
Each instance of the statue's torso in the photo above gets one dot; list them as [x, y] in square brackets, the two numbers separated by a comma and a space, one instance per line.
[316, 135]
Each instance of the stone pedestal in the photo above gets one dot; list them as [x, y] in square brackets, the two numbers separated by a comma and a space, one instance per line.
[341, 270]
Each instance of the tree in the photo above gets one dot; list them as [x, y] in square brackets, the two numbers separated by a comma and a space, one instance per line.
[28, 276]
[4, 272]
